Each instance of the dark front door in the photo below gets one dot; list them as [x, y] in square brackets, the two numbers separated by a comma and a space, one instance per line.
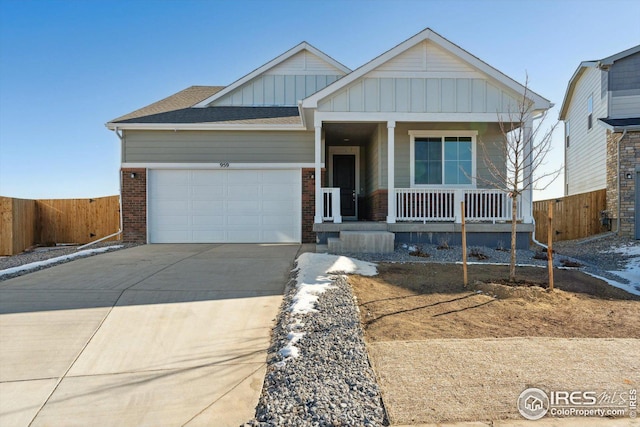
[344, 177]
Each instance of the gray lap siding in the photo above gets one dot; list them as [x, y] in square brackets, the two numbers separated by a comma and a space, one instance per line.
[218, 146]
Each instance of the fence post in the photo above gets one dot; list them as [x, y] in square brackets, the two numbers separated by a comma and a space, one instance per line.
[464, 246]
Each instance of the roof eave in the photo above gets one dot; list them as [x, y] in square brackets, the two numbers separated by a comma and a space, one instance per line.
[615, 129]
[571, 86]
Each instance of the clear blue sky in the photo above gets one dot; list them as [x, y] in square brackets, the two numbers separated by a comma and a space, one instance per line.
[67, 67]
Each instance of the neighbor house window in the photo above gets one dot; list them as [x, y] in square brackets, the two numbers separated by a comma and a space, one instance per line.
[590, 112]
[566, 132]
[442, 158]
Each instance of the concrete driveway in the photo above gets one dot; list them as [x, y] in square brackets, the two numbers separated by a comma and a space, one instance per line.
[156, 335]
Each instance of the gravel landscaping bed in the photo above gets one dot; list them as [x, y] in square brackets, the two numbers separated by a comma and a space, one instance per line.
[46, 253]
[594, 255]
[331, 381]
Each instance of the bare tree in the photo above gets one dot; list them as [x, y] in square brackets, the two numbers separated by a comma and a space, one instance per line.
[524, 147]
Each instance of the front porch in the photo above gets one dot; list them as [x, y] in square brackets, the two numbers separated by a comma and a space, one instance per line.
[358, 162]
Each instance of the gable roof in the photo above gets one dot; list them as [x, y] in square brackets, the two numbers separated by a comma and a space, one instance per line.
[427, 34]
[183, 99]
[274, 62]
[602, 63]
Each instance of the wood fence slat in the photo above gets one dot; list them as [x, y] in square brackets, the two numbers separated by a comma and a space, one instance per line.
[575, 216]
[24, 223]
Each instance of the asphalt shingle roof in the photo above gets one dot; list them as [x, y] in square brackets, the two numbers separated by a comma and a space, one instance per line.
[183, 99]
[224, 115]
[633, 121]
[177, 109]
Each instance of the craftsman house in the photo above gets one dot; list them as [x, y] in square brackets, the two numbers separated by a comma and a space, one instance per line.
[303, 149]
[601, 114]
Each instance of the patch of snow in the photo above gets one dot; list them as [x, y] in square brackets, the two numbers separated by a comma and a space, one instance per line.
[315, 276]
[289, 350]
[633, 287]
[38, 264]
[631, 271]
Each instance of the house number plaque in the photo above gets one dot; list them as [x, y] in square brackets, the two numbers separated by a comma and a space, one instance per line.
[224, 164]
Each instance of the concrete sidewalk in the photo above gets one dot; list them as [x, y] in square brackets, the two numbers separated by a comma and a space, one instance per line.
[158, 335]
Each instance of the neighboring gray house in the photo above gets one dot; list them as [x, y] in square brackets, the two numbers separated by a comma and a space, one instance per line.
[303, 148]
[601, 113]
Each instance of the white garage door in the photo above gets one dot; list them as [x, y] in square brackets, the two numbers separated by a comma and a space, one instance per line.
[224, 206]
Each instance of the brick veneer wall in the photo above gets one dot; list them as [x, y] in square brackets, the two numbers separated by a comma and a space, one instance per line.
[309, 203]
[134, 205]
[629, 159]
[377, 205]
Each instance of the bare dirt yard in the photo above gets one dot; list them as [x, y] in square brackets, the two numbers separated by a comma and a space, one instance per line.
[446, 353]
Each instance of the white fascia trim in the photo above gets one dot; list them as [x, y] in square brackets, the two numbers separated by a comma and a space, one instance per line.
[613, 58]
[322, 117]
[255, 73]
[221, 166]
[572, 85]
[427, 34]
[200, 126]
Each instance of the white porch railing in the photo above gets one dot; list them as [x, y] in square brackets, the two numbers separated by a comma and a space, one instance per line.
[331, 205]
[434, 205]
[413, 204]
[426, 205]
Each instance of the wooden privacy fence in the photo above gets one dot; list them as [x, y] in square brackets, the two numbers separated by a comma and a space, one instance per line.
[574, 217]
[48, 221]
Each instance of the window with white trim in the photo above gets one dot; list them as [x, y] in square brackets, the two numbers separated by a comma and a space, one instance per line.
[443, 158]
[590, 112]
[567, 130]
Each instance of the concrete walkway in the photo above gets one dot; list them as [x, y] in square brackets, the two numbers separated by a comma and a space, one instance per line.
[157, 335]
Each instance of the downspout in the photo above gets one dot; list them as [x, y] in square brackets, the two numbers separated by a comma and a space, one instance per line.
[121, 137]
[624, 132]
[533, 234]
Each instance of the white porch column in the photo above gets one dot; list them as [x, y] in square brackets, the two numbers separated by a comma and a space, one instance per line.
[318, 173]
[527, 194]
[391, 185]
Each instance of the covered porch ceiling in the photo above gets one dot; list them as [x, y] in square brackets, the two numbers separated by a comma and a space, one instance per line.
[348, 133]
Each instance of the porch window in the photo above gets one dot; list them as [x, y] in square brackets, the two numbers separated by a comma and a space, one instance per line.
[443, 159]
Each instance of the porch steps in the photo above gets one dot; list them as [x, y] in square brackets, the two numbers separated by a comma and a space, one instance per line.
[353, 242]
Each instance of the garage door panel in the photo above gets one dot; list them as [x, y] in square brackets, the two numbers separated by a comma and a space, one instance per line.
[244, 220]
[207, 236]
[242, 192]
[277, 220]
[172, 236]
[170, 192]
[168, 178]
[172, 207]
[237, 207]
[279, 207]
[172, 222]
[276, 177]
[205, 222]
[207, 193]
[214, 206]
[208, 178]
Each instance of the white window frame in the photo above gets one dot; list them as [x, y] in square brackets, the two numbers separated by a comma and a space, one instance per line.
[567, 133]
[590, 112]
[413, 134]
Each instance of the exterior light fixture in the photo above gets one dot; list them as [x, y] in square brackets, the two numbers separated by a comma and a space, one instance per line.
[133, 175]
